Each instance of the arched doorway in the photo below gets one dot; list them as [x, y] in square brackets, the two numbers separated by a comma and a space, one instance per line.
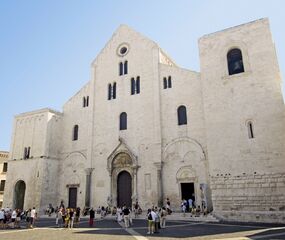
[124, 189]
[19, 194]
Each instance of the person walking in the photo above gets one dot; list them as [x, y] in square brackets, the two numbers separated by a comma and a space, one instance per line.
[91, 217]
[163, 214]
[33, 217]
[126, 212]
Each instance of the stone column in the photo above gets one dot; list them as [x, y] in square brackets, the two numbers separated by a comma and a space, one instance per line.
[88, 186]
[159, 183]
[135, 182]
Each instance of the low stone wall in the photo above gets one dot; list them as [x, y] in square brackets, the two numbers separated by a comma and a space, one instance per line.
[249, 197]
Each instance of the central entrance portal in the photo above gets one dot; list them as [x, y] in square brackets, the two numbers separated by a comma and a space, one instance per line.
[124, 189]
[187, 191]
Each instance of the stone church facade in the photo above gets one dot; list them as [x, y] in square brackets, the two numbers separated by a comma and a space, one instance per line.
[145, 129]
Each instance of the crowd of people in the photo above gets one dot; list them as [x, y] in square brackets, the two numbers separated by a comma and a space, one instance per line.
[70, 217]
[12, 218]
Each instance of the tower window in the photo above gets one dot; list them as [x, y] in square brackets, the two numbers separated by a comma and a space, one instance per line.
[250, 129]
[2, 185]
[27, 151]
[182, 115]
[75, 133]
[123, 121]
[164, 83]
[86, 101]
[5, 167]
[167, 83]
[235, 62]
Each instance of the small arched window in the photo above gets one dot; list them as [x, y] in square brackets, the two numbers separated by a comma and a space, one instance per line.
[114, 90]
[84, 102]
[169, 82]
[87, 101]
[109, 91]
[126, 67]
[123, 121]
[235, 62]
[121, 68]
[182, 115]
[138, 84]
[164, 83]
[75, 133]
[250, 129]
[133, 86]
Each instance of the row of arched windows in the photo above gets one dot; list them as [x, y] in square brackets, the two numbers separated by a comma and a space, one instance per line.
[85, 102]
[181, 117]
[123, 68]
[135, 88]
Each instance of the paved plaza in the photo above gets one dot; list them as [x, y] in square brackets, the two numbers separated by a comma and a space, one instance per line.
[180, 228]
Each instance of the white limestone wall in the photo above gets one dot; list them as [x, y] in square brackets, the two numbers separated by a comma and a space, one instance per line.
[143, 130]
[184, 146]
[235, 161]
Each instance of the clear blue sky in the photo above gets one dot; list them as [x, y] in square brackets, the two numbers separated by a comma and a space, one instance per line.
[46, 46]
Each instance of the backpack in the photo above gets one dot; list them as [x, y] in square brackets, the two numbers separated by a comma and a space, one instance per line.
[149, 217]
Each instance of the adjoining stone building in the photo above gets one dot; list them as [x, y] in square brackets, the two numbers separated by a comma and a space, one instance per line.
[143, 128]
[3, 170]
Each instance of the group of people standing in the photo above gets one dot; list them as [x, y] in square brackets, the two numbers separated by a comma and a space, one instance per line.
[11, 218]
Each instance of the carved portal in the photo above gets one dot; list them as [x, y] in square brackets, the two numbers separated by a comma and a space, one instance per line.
[122, 160]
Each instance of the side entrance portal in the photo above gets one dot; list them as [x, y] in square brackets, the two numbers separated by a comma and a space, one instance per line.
[19, 194]
[72, 200]
[187, 191]
[124, 189]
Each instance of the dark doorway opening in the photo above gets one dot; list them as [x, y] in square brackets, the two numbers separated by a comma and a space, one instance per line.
[188, 191]
[72, 201]
[19, 194]
[124, 189]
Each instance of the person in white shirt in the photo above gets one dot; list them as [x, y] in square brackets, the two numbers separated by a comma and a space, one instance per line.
[33, 216]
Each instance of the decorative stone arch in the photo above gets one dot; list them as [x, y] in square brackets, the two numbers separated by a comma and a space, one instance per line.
[19, 194]
[195, 143]
[186, 174]
[121, 159]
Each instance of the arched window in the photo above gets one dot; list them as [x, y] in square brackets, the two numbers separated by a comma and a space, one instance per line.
[123, 121]
[109, 91]
[138, 85]
[133, 86]
[182, 115]
[84, 102]
[87, 101]
[235, 62]
[75, 133]
[250, 129]
[164, 83]
[121, 68]
[169, 82]
[126, 67]
[114, 90]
